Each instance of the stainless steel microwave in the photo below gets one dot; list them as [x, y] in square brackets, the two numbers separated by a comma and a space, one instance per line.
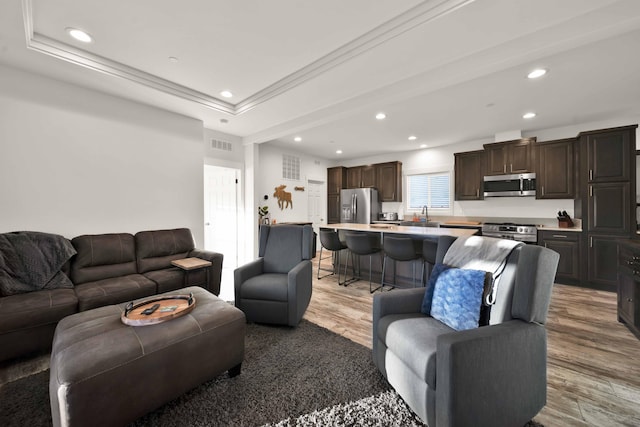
[516, 185]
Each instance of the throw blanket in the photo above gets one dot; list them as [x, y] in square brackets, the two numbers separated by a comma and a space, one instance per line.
[480, 253]
[31, 261]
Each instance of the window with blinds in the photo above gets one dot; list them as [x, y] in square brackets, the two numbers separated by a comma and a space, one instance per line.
[431, 190]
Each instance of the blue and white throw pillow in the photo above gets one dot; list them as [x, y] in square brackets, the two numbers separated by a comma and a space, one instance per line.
[457, 298]
[431, 284]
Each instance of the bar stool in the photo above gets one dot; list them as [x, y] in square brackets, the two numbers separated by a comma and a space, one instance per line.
[429, 251]
[361, 244]
[401, 249]
[329, 240]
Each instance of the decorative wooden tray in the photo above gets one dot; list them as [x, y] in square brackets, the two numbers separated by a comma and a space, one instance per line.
[157, 310]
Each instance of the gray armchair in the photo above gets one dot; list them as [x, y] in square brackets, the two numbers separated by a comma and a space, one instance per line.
[494, 375]
[276, 287]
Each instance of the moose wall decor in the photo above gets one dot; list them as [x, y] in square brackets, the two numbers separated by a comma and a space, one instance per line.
[283, 197]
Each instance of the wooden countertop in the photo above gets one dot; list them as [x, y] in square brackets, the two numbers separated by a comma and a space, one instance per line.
[399, 229]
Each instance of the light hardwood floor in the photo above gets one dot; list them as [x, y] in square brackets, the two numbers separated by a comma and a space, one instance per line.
[593, 361]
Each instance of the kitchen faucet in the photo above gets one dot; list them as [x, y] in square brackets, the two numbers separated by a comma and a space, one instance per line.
[425, 212]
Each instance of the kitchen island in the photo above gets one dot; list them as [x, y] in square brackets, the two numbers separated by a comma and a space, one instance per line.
[415, 232]
[401, 271]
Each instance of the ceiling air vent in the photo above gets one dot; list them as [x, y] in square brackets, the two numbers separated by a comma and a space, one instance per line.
[217, 144]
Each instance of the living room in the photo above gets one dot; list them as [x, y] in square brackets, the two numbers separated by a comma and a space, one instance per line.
[84, 152]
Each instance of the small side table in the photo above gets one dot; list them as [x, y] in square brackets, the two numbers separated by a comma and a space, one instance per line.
[191, 264]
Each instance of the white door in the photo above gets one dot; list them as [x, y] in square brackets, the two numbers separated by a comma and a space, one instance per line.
[221, 197]
[317, 205]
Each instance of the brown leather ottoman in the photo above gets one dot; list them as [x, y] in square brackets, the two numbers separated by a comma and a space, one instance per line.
[105, 373]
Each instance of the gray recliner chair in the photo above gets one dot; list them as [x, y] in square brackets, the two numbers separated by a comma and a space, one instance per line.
[494, 375]
[276, 287]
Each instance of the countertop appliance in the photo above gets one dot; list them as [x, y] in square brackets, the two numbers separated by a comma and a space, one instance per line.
[515, 185]
[359, 205]
[527, 233]
[389, 216]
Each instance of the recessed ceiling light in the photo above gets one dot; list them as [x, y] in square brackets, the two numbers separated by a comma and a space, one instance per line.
[297, 139]
[173, 59]
[381, 116]
[338, 151]
[423, 145]
[413, 138]
[224, 121]
[528, 115]
[538, 72]
[226, 94]
[79, 35]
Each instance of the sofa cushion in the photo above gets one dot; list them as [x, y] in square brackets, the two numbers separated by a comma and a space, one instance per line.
[114, 290]
[457, 298]
[36, 308]
[413, 339]
[170, 279]
[102, 256]
[268, 286]
[276, 241]
[156, 249]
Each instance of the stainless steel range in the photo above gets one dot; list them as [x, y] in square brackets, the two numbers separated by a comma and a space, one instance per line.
[527, 233]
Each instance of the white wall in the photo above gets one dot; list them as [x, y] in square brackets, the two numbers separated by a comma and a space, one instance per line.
[214, 157]
[439, 159]
[270, 176]
[75, 161]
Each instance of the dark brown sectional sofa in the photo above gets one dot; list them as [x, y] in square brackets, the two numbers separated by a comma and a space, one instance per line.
[107, 269]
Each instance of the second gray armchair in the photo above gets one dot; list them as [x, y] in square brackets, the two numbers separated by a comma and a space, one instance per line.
[276, 287]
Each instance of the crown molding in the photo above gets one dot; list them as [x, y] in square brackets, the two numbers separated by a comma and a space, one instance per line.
[424, 12]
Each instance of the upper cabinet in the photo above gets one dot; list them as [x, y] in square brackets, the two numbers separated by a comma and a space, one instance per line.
[389, 184]
[361, 177]
[510, 157]
[608, 153]
[556, 169]
[386, 177]
[336, 179]
[469, 170]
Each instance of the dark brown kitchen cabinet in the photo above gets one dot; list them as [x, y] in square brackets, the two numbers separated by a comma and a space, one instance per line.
[606, 200]
[361, 177]
[629, 285]
[606, 151]
[336, 181]
[608, 208]
[469, 170]
[555, 169]
[602, 260]
[389, 176]
[333, 208]
[510, 157]
[567, 245]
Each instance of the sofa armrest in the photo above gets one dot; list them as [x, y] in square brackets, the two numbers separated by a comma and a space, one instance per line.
[400, 301]
[244, 273]
[299, 287]
[215, 271]
[493, 375]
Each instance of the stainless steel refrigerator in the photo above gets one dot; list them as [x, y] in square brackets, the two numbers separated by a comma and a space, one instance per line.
[359, 205]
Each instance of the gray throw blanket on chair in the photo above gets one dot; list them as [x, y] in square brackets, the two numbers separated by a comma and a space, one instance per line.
[480, 253]
[31, 261]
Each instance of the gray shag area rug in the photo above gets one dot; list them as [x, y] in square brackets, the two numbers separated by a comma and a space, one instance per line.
[287, 373]
[304, 376]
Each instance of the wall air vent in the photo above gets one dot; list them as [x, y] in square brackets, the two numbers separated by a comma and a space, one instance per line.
[216, 144]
